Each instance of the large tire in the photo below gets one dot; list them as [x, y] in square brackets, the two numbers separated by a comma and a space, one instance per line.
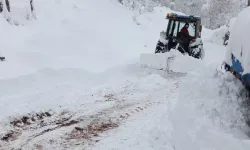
[197, 53]
[160, 47]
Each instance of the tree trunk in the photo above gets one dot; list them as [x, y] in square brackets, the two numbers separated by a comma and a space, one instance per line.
[6, 10]
[31, 5]
[7, 5]
[33, 12]
[248, 3]
[1, 6]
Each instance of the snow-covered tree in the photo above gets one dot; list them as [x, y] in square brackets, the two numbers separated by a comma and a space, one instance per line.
[172, 4]
[214, 13]
[189, 6]
[142, 5]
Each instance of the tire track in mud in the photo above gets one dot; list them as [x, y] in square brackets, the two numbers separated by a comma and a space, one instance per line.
[37, 131]
[97, 123]
[88, 133]
[38, 123]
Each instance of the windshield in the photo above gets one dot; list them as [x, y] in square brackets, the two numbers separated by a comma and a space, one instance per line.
[176, 26]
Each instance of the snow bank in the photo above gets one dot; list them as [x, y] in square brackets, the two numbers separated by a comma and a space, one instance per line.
[184, 63]
[208, 112]
[218, 34]
[214, 53]
[238, 42]
[231, 23]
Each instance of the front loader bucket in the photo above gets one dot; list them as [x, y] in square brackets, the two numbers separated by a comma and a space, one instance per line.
[168, 64]
[159, 61]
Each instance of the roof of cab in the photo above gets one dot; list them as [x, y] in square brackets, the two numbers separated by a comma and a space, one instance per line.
[174, 15]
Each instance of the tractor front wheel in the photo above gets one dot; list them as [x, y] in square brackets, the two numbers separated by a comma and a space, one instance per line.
[197, 53]
[160, 47]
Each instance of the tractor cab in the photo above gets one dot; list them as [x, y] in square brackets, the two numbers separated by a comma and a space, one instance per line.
[174, 36]
[177, 22]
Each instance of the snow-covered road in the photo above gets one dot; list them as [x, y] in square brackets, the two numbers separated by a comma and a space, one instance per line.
[122, 108]
[71, 80]
[56, 128]
[149, 130]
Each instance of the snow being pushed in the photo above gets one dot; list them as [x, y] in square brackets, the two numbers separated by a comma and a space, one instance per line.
[239, 44]
[218, 34]
[170, 61]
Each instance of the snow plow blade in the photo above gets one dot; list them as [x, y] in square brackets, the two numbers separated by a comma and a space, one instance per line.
[170, 63]
[158, 61]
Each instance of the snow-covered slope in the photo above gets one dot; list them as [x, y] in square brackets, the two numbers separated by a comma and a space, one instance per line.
[70, 43]
[71, 81]
[74, 34]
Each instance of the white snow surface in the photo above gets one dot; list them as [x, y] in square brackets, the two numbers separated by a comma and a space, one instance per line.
[218, 34]
[79, 62]
[65, 35]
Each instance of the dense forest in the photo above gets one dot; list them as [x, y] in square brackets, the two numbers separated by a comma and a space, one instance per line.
[214, 13]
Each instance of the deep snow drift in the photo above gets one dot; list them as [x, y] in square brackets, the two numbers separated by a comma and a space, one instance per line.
[71, 81]
[209, 112]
